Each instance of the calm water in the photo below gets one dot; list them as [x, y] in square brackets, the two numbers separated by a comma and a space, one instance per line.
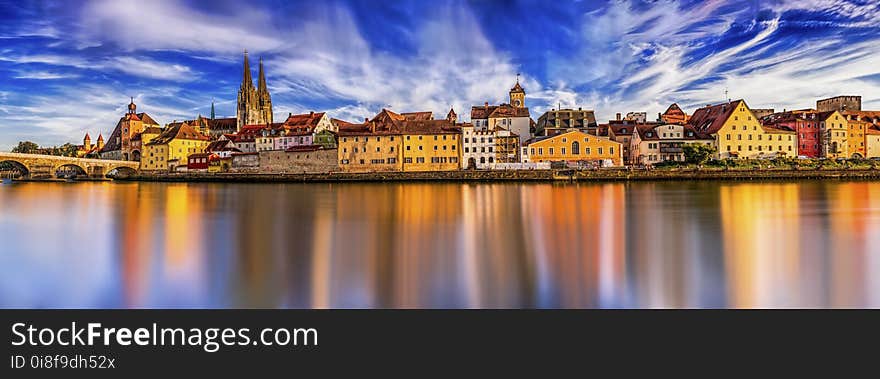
[806, 244]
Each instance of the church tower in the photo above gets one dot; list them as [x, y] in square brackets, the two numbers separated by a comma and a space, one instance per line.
[517, 95]
[264, 101]
[87, 143]
[254, 103]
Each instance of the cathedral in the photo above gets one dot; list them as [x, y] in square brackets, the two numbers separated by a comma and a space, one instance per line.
[254, 104]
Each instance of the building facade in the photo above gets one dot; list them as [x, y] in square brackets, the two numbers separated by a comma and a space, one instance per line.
[120, 146]
[558, 121]
[738, 134]
[652, 144]
[833, 134]
[807, 126]
[175, 144]
[400, 142]
[513, 117]
[573, 147]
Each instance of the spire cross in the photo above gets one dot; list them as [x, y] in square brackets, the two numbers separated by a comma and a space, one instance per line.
[517, 77]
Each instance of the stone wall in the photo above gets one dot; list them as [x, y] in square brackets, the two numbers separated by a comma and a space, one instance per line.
[280, 161]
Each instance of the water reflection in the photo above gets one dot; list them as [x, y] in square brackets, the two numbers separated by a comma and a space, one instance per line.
[428, 245]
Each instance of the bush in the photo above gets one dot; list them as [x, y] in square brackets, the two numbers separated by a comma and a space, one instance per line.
[697, 153]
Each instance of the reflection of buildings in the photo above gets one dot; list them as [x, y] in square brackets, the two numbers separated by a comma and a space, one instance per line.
[576, 235]
[762, 244]
[672, 258]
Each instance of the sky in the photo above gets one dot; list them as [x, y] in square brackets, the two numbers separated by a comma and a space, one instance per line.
[70, 67]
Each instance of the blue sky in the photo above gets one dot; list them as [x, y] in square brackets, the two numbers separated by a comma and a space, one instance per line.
[69, 67]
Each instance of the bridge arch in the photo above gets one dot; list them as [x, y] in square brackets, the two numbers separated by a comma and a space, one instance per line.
[75, 168]
[22, 168]
[120, 172]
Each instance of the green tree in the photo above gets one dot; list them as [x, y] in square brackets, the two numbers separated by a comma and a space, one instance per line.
[26, 147]
[698, 153]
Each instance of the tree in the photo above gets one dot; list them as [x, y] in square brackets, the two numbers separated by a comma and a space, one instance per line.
[698, 153]
[26, 147]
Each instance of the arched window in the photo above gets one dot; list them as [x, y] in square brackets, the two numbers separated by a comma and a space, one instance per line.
[575, 148]
[482, 159]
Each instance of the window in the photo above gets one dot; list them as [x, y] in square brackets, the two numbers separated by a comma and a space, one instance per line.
[533, 151]
[465, 149]
[575, 148]
[563, 151]
[407, 160]
[728, 137]
[564, 140]
[551, 151]
[435, 138]
[435, 147]
[611, 150]
[540, 151]
[587, 150]
[377, 149]
[600, 151]
[407, 147]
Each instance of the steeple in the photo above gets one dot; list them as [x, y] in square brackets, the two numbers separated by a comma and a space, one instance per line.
[131, 107]
[212, 109]
[247, 80]
[517, 94]
[261, 87]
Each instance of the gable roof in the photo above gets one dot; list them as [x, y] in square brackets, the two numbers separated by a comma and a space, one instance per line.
[710, 119]
[177, 131]
[143, 116]
[307, 121]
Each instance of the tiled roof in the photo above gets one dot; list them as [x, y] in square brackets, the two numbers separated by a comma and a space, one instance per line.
[504, 110]
[390, 123]
[709, 119]
[308, 120]
[143, 116]
[177, 131]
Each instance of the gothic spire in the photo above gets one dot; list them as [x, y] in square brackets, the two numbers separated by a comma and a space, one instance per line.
[246, 80]
[212, 109]
[261, 87]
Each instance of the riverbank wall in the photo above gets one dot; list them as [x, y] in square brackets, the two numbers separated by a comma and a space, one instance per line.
[504, 176]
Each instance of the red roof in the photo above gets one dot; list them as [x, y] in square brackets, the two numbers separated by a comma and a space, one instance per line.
[710, 119]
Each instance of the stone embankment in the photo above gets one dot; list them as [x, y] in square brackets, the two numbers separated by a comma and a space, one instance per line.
[522, 175]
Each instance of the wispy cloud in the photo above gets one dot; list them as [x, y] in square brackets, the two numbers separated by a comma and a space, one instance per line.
[149, 68]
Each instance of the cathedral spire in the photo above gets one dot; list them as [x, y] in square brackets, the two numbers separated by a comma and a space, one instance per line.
[261, 87]
[212, 109]
[246, 80]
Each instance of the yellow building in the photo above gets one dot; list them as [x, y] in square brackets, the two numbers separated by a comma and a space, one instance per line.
[399, 142]
[833, 134]
[431, 146]
[175, 144]
[572, 146]
[738, 134]
[856, 138]
[872, 142]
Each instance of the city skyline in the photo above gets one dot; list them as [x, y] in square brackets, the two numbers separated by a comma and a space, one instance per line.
[71, 67]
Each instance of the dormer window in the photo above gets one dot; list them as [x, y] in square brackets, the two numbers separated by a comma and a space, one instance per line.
[649, 134]
[623, 130]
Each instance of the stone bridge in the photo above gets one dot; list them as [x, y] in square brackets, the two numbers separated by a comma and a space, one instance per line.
[45, 166]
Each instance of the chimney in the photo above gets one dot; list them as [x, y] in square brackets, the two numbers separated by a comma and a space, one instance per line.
[311, 113]
[618, 116]
[487, 105]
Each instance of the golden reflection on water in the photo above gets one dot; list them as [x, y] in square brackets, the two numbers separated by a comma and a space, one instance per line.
[430, 245]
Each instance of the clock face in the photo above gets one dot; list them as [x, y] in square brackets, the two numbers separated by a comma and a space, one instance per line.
[516, 102]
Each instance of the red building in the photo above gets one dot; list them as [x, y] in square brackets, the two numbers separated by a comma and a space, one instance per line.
[199, 161]
[805, 123]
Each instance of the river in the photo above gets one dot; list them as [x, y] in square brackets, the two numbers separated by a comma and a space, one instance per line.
[440, 245]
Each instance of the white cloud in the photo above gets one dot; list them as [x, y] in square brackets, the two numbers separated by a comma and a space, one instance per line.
[42, 75]
[169, 24]
[149, 68]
